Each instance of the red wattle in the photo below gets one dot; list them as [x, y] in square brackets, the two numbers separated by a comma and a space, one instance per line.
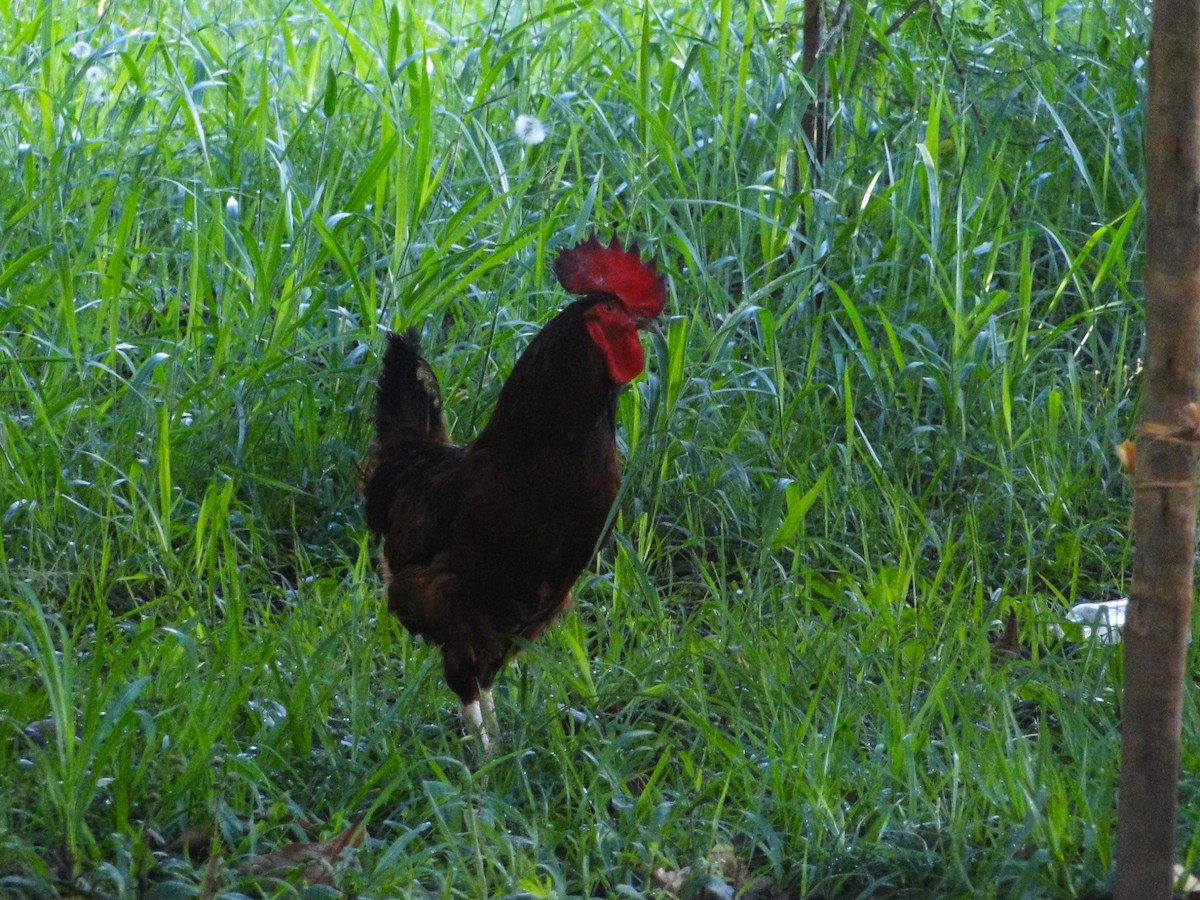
[622, 350]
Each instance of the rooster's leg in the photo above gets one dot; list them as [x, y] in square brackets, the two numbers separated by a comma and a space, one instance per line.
[473, 714]
[488, 707]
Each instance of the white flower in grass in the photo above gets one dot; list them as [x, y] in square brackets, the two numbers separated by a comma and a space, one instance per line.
[529, 130]
[93, 74]
[99, 95]
[80, 50]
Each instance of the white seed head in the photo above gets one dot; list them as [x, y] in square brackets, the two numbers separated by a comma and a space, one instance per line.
[80, 50]
[529, 130]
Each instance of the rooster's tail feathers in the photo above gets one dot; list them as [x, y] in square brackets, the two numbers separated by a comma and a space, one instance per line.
[408, 400]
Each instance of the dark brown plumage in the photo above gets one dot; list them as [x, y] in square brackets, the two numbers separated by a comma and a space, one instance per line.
[483, 542]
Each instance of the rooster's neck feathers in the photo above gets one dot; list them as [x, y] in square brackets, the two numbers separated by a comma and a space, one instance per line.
[559, 390]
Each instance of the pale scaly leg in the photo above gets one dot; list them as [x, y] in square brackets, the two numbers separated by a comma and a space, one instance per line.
[488, 707]
[473, 714]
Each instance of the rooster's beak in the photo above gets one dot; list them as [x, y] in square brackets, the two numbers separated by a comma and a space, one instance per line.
[647, 323]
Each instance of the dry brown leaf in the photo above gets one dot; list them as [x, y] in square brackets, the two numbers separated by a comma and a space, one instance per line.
[1127, 455]
[717, 878]
[1007, 644]
[323, 861]
[670, 880]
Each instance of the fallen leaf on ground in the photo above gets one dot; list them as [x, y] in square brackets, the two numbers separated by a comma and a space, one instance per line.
[670, 880]
[719, 877]
[1006, 645]
[323, 861]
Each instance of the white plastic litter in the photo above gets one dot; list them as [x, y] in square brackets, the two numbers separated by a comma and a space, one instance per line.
[1105, 619]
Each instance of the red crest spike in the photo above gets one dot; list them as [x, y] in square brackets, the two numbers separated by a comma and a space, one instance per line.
[591, 268]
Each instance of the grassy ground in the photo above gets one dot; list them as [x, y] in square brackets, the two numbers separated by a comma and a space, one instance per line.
[879, 421]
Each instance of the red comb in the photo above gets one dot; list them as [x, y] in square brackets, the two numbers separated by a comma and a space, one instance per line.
[592, 268]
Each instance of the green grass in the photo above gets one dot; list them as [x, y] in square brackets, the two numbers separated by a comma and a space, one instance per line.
[879, 419]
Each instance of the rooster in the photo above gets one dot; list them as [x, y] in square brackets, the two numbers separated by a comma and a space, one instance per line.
[483, 542]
